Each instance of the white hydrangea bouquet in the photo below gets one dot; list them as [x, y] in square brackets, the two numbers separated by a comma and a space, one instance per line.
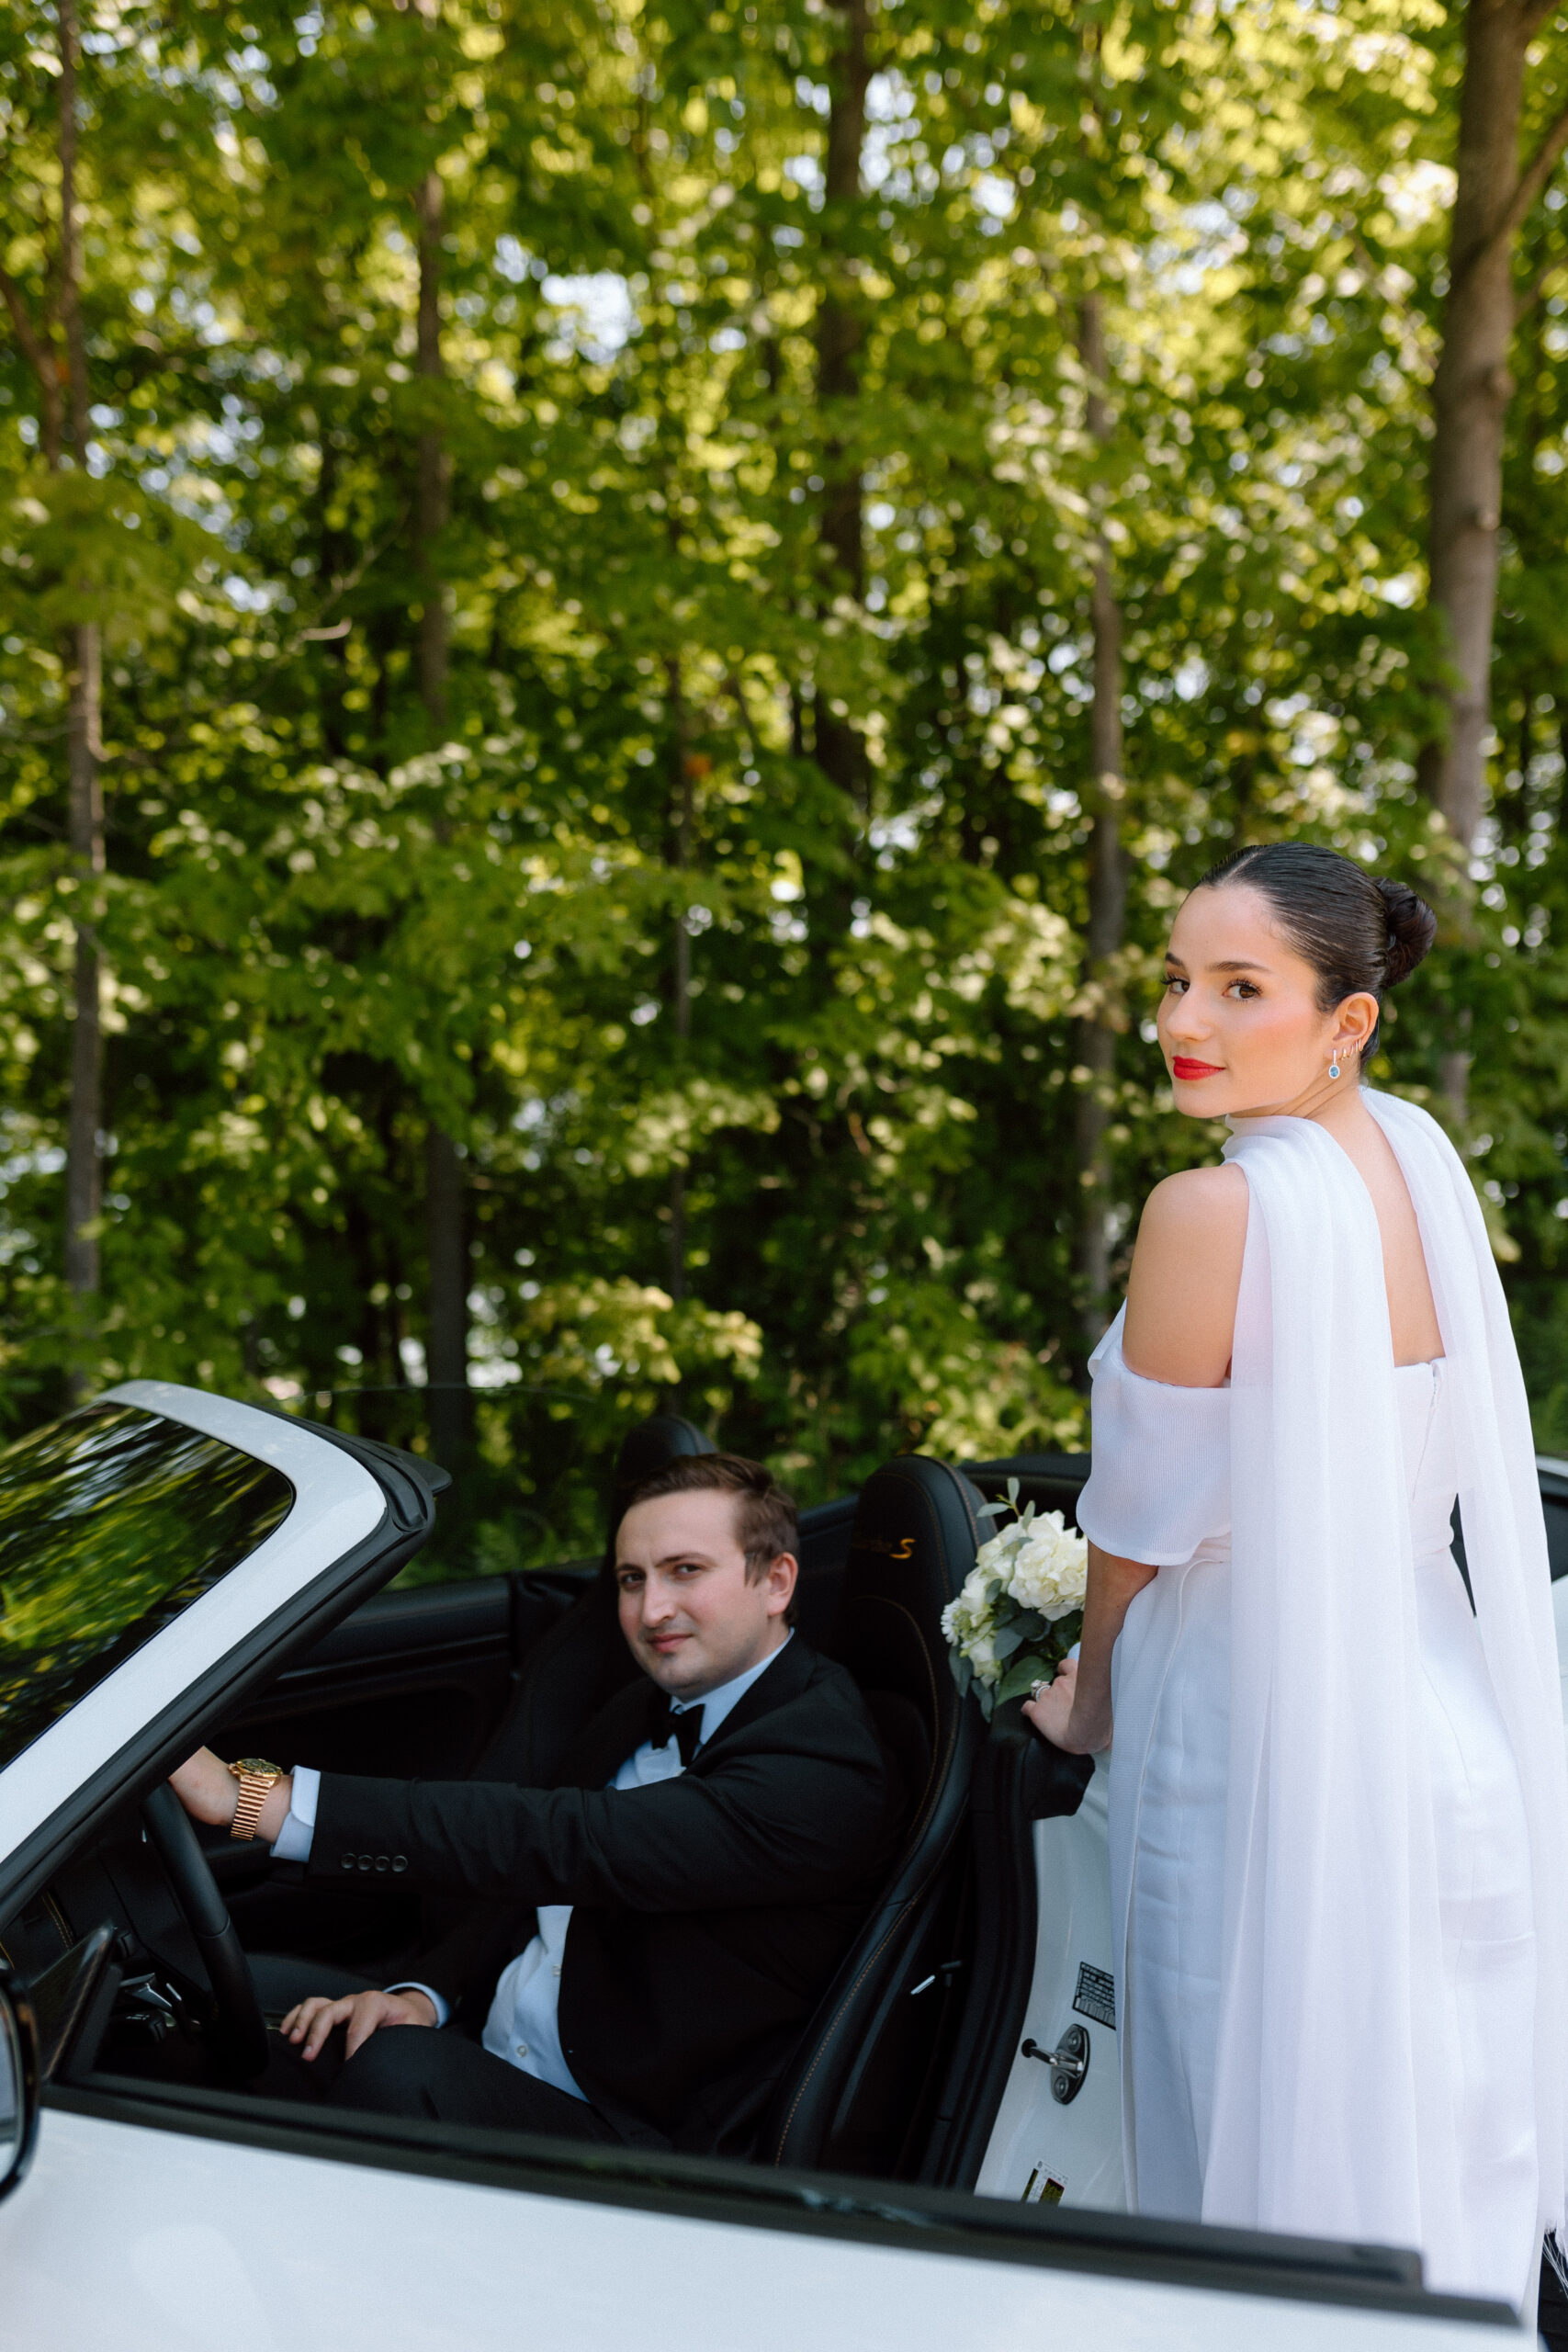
[1021, 1607]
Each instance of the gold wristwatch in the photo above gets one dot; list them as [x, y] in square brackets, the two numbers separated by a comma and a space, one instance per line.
[255, 1777]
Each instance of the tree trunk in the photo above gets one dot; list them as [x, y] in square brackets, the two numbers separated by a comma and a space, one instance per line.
[447, 1359]
[333, 563]
[435, 470]
[682, 801]
[839, 752]
[446, 1366]
[83, 1150]
[1106, 873]
[1471, 391]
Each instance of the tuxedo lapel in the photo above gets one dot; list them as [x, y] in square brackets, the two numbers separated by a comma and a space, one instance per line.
[603, 1743]
[785, 1679]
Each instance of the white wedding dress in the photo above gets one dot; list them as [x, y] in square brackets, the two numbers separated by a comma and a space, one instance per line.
[1336, 1864]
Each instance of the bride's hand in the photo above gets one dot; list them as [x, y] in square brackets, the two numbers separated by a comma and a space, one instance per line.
[1050, 1710]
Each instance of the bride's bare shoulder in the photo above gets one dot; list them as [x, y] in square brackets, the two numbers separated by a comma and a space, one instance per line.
[1197, 1202]
[1186, 1277]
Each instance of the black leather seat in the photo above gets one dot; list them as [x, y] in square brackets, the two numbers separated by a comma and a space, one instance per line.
[583, 1660]
[851, 2097]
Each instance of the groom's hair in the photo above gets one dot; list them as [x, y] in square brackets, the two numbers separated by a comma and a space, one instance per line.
[766, 1522]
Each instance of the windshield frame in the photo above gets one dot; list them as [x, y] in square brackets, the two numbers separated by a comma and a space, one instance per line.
[345, 1534]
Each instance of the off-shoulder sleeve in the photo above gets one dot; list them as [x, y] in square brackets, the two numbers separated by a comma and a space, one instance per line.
[1160, 1483]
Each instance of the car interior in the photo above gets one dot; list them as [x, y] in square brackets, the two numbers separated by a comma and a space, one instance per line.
[139, 1955]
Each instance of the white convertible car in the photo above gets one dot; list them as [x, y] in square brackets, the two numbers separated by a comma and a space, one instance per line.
[942, 2165]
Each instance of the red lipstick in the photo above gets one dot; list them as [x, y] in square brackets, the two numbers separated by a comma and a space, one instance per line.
[1183, 1067]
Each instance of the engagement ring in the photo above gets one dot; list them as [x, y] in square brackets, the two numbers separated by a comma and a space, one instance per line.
[1036, 1688]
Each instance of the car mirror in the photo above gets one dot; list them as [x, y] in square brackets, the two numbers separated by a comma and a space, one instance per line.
[18, 2080]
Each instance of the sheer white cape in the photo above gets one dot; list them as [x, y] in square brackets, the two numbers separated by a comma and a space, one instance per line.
[1333, 2060]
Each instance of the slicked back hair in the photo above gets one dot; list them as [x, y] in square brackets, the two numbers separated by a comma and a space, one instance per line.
[1358, 931]
[766, 1522]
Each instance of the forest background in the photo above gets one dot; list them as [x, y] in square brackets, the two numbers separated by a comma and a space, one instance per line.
[620, 623]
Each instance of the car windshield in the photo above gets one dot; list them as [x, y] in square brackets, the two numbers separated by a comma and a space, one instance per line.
[111, 1522]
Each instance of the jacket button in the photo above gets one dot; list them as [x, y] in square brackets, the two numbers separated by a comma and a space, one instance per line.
[366, 1863]
[400, 1861]
[348, 1862]
[381, 1862]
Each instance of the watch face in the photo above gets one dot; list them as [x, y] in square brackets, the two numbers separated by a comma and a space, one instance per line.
[255, 1764]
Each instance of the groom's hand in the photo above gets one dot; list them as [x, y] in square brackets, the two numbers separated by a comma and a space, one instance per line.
[310, 2021]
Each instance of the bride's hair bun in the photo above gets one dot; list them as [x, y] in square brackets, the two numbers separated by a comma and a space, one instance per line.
[1411, 927]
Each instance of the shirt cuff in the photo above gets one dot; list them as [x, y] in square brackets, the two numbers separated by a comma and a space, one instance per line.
[294, 1838]
[410, 1984]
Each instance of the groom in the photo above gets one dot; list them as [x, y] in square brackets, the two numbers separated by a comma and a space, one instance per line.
[665, 1918]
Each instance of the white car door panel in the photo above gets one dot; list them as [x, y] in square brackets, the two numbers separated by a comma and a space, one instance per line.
[1040, 2150]
[124, 2239]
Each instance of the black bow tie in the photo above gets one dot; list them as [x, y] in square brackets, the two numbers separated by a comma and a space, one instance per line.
[685, 1722]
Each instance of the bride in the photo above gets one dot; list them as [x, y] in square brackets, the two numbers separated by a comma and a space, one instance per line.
[1338, 1804]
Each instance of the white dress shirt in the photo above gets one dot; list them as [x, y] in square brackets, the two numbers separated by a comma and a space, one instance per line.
[522, 2025]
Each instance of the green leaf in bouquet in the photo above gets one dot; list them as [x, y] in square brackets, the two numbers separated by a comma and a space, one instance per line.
[961, 1669]
[1030, 1624]
[1005, 1610]
[1005, 1640]
[984, 1693]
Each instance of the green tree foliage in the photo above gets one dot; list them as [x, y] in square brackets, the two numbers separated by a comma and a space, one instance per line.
[734, 932]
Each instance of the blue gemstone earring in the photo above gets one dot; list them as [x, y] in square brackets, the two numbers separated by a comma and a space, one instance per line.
[1333, 1065]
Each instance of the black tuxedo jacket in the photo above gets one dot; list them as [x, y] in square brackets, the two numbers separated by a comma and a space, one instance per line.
[710, 1911]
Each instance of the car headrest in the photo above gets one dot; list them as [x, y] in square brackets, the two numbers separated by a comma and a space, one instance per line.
[665, 1437]
[914, 1541]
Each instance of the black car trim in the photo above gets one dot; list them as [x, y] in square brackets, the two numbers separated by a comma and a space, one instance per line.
[915, 2221]
[430, 1626]
[409, 1483]
[166, 1740]
[1007, 1922]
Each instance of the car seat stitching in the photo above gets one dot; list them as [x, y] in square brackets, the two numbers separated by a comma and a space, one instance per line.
[832, 2029]
[939, 1757]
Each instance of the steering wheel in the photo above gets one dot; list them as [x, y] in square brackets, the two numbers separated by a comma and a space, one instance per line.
[239, 2030]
